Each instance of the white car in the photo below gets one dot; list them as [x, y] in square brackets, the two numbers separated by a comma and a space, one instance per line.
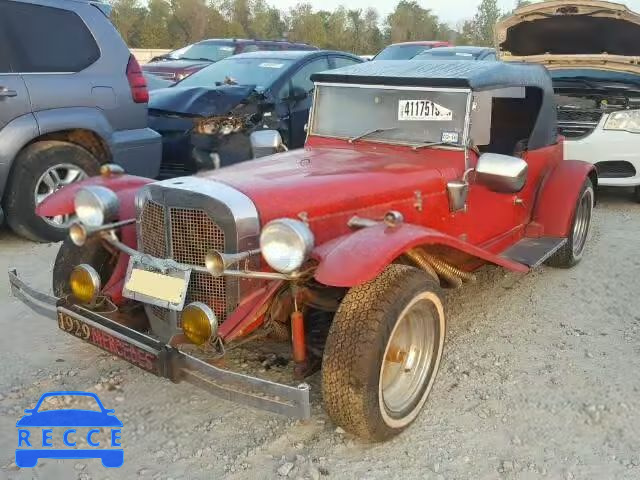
[591, 50]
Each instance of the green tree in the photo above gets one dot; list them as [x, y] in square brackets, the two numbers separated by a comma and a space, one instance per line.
[188, 22]
[128, 17]
[155, 28]
[305, 25]
[480, 30]
[409, 21]
[266, 21]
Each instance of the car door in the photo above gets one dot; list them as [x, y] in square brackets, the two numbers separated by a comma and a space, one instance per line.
[296, 94]
[14, 100]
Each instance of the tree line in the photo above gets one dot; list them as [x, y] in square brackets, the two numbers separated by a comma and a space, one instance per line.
[176, 23]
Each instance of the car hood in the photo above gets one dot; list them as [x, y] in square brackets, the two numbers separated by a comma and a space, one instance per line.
[174, 65]
[69, 418]
[572, 34]
[200, 101]
[326, 181]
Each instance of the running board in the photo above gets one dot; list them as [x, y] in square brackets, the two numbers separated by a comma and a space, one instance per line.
[533, 251]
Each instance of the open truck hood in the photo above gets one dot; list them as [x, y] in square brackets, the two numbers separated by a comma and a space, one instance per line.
[585, 34]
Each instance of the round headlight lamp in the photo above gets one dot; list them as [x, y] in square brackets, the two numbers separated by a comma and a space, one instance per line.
[199, 323]
[286, 244]
[95, 205]
[85, 283]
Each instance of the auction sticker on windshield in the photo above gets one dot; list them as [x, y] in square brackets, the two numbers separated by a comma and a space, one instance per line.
[423, 110]
[271, 65]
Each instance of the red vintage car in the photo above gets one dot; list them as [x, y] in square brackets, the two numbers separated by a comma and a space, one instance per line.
[414, 175]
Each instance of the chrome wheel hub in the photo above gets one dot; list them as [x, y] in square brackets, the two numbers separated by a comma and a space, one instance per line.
[52, 180]
[582, 222]
[410, 358]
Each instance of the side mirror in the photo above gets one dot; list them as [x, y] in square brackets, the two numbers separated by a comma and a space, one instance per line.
[501, 173]
[266, 142]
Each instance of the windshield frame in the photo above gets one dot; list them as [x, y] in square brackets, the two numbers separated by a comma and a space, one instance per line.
[467, 119]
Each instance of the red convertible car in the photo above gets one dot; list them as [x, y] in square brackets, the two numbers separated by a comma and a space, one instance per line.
[414, 175]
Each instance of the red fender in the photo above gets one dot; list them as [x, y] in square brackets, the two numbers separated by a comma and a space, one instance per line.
[61, 202]
[556, 204]
[125, 187]
[361, 256]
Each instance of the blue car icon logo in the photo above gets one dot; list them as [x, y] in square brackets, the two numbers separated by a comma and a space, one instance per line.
[36, 435]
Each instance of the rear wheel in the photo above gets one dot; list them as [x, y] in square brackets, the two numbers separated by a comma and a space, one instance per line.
[40, 170]
[571, 253]
[383, 352]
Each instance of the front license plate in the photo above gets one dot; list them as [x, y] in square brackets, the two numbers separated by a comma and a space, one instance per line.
[168, 290]
[111, 343]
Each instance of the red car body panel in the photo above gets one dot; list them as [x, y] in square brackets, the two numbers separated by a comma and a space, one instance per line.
[554, 213]
[330, 181]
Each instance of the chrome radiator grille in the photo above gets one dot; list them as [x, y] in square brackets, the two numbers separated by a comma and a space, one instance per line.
[191, 234]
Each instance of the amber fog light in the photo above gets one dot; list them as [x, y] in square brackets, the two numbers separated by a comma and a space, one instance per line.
[199, 323]
[85, 283]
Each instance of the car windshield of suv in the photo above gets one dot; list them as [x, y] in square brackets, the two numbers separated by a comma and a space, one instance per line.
[401, 52]
[205, 51]
[261, 72]
[400, 116]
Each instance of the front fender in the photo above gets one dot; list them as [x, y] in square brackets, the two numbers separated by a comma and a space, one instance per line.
[361, 256]
[125, 186]
[556, 203]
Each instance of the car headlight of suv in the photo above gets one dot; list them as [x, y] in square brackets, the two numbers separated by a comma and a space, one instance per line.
[625, 120]
[286, 244]
[95, 205]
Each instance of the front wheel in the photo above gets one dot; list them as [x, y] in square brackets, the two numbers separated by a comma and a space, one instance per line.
[40, 170]
[572, 251]
[383, 352]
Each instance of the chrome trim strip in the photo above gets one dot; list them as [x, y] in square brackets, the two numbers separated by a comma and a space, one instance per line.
[39, 302]
[393, 87]
[548, 255]
[242, 207]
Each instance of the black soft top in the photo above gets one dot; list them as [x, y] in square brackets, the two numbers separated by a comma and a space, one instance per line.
[455, 74]
[476, 76]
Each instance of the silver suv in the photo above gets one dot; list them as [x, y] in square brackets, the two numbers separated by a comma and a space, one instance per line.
[72, 98]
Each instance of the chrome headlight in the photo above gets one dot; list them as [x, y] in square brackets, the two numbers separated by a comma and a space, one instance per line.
[286, 244]
[625, 120]
[96, 205]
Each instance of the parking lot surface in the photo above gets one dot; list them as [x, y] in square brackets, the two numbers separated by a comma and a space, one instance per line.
[539, 380]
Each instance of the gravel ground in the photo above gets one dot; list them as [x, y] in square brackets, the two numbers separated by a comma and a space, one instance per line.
[539, 380]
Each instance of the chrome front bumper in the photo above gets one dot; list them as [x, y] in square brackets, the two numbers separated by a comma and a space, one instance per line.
[174, 364]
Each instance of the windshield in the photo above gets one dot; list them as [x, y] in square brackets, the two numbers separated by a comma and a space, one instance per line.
[401, 52]
[400, 116]
[205, 51]
[261, 72]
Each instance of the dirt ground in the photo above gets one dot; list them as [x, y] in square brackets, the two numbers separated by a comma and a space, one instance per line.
[540, 379]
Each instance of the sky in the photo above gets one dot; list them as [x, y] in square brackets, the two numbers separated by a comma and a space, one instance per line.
[450, 11]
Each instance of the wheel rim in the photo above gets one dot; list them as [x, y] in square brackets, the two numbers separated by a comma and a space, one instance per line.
[411, 359]
[582, 222]
[52, 180]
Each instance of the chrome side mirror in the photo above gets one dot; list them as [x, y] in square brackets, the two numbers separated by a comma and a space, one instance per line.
[501, 173]
[266, 142]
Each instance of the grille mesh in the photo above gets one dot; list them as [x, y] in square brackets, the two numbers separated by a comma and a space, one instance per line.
[153, 230]
[571, 115]
[193, 234]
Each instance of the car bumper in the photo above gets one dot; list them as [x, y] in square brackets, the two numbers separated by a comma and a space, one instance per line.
[170, 362]
[608, 146]
[139, 152]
